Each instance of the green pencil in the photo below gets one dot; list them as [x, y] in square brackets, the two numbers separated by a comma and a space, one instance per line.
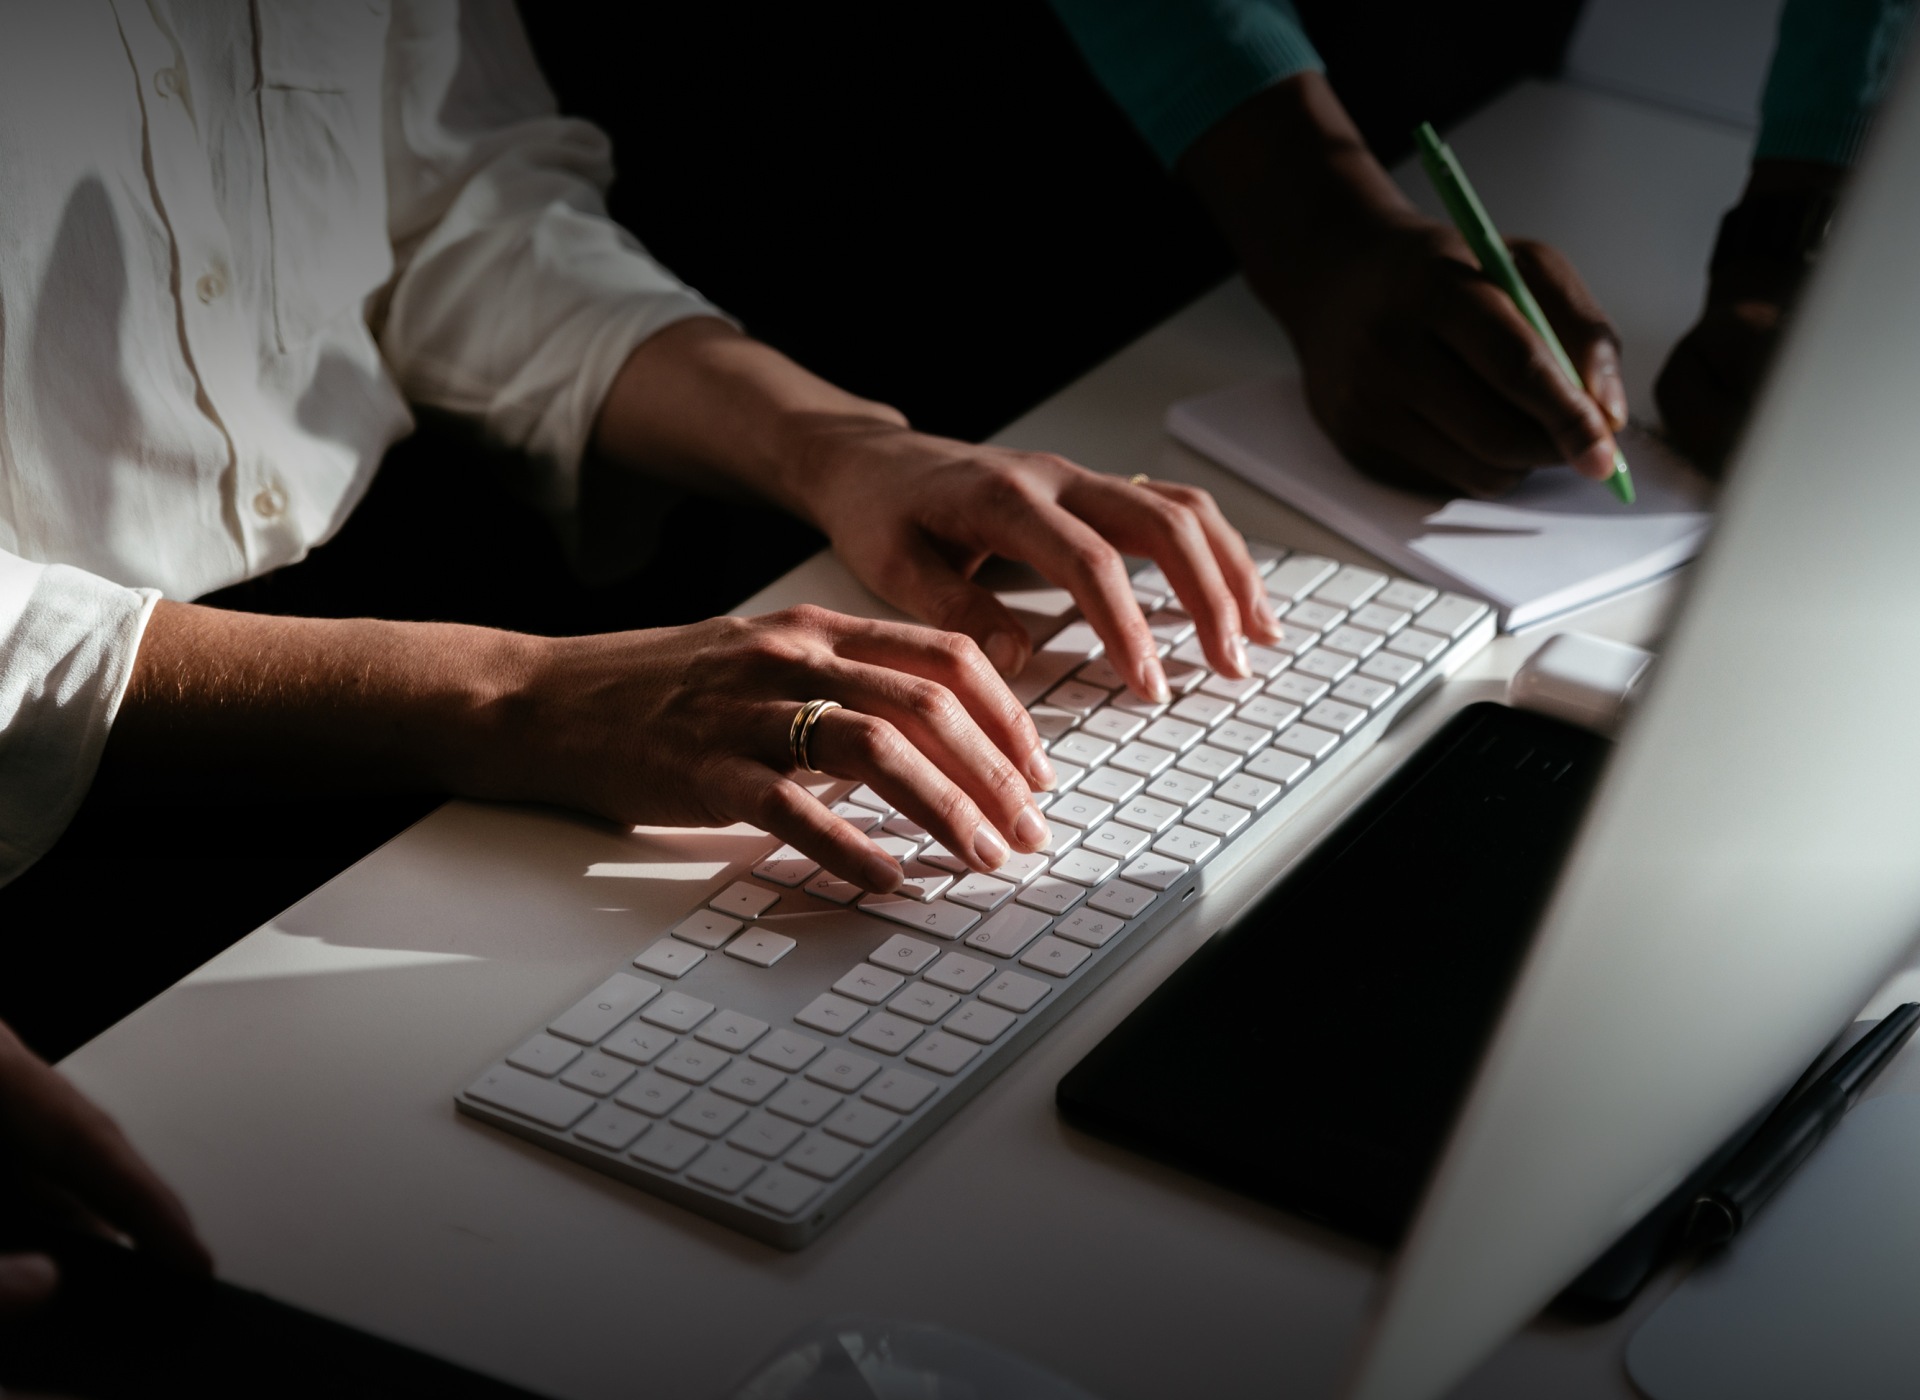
[1470, 217]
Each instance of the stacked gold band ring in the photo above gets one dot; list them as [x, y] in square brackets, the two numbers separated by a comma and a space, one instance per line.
[800, 732]
[1138, 479]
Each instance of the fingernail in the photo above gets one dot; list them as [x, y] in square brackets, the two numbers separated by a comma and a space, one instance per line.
[1003, 651]
[1040, 772]
[26, 1278]
[883, 873]
[1030, 829]
[1153, 681]
[1237, 653]
[1268, 618]
[990, 850]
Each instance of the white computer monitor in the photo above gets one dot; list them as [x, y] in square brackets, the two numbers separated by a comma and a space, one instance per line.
[1750, 869]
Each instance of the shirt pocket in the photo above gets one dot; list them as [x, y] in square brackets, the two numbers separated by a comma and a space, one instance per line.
[321, 69]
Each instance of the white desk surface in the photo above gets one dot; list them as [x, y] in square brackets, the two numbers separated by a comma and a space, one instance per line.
[297, 1089]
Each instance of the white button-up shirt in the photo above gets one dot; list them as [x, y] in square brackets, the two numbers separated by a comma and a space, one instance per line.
[236, 239]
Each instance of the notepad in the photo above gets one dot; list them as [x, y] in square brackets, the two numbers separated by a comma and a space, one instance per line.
[1558, 542]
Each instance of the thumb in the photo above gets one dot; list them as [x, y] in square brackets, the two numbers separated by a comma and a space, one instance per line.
[928, 587]
[1590, 340]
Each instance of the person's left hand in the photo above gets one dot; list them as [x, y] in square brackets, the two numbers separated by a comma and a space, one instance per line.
[75, 1161]
[914, 516]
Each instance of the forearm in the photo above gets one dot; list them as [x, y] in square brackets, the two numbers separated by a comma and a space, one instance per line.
[703, 406]
[314, 704]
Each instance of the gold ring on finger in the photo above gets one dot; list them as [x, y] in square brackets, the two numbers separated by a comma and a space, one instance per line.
[1138, 479]
[803, 742]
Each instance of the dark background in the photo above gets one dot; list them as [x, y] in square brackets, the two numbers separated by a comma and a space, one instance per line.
[932, 203]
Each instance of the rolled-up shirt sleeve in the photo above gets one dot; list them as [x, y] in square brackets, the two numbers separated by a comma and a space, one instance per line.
[67, 642]
[516, 298]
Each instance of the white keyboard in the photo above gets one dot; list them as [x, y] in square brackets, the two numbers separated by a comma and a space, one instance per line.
[769, 1058]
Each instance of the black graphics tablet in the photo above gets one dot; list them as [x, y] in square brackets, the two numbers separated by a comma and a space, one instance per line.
[1313, 1054]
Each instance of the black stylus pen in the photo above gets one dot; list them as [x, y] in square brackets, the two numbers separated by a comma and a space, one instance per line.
[1760, 1168]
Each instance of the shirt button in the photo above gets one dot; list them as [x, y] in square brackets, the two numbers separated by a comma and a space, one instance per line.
[270, 502]
[211, 286]
[167, 82]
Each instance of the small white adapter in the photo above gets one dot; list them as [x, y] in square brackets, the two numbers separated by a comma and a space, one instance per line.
[1582, 679]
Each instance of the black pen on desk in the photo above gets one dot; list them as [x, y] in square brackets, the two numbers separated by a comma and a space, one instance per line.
[1788, 1139]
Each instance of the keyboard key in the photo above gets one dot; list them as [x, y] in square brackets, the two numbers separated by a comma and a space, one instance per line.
[862, 819]
[1204, 709]
[901, 848]
[1299, 576]
[1111, 784]
[980, 1022]
[1146, 709]
[958, 973]
[887, 1033]
[612, 1127]
[1079, 747]
[903, 954]
[786, 1050]
[1333, 715]
[1015, 991]
[923, 882]
[1249, 791]
[1237, 736]
[863, 1123]
[1295, 638]
[1084, 867]
[747, 1082]
[1117, 840]
[638, 1042]
[1077, 698]
[823, 1157]
[1450, 615]
[1220, 818]
[900, 824]
[1228, 688]
[805, 1103]
[1210, 763]
[1351, 587]
[947, 1054]
[1080, 809]
[1316, 617]
[1109, 723]
[870, 984]
[744, 901]
[1150, 814]
[1051, 723]
[1153, 579]
[1297, 688]
[1354, 641]
[1156, 872]
[830, 1013]
[829, 886]
[940, 918]
[1391, 668]
[597, 1074]
[725, 1169]
[676, 1011]
[1423, 646]
[653, 1095]
[782, 1192]
[732, 1030]
[1044, 671]
[1376, 618]
[1170, 733]
[1076, 639]
[1306, 740]
[694, 1063]
[1363, 691]
[842, 1069]
[1143, 759]
[1265, 556]
[1277, 766]
[898, 1090]
[1188, 844]
[667, 1147]
[1183, 678]
[707, 1114]
[1060, 837]
[542, 1100]
[1054, 956]
[1330, 666]
[864, 796]
[1169, 626]
[786, 867]
[669, 958]
[1100, 674]
[1268, 712]
[1405, 594]
[1265, 662]
[544, 1055]
[708, 929]
[1050, 895]
[1007, 932]
[923, 1003]
[1176, 787]
[1129, 901]
[766, 1136]
[1092, 928]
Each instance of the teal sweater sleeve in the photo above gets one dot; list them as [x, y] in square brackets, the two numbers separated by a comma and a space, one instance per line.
[1178, 66]
[1831, 67]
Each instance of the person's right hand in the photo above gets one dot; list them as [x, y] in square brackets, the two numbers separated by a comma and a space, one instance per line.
[688, 726]
[77, 1165]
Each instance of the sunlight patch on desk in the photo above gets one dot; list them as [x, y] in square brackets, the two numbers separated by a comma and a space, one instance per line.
[655, 869]
[270, 953]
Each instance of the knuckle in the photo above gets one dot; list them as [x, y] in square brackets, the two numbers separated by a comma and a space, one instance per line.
[781, 803]
[1095, 557]
[931, 703]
